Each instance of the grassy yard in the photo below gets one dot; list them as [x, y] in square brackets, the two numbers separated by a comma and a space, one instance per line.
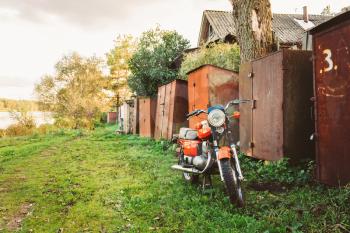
[99, 182]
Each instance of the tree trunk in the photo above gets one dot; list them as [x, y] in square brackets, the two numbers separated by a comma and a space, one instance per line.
[253, 25]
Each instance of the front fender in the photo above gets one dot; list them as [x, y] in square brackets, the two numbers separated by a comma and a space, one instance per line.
[224, 153]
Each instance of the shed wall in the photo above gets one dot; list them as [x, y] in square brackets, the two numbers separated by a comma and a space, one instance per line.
[332, 105]
[277, 122]
[147, 114]
[209, 86]
[111, 117]
[172, 107]
[136, 128]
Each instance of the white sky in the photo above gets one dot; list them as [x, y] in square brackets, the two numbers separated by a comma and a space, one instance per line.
[34, 34]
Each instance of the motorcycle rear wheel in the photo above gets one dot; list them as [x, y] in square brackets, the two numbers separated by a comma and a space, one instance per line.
[232, 184]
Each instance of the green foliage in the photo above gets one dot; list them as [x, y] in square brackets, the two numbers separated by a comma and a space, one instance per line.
[327, 11]
[221, 54]
[150, 65]
[277, 172]
[117, 61]
[76, 92]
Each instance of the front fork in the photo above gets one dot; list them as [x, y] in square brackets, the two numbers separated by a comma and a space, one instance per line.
[235, 157]
[238, 166]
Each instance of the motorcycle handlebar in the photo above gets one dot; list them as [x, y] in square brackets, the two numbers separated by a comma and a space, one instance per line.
[195, 113]
[236, 102]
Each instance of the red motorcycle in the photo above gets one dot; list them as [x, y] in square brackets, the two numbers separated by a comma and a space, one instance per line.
[210, 149]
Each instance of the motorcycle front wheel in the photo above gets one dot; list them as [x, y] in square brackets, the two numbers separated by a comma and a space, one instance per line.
[232, 184]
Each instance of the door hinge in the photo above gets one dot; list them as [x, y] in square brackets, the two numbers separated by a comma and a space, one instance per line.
[251, 75]
[253, 104]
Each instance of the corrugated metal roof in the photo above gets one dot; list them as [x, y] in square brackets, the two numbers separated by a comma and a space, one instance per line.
[287, 30]
[342, 17]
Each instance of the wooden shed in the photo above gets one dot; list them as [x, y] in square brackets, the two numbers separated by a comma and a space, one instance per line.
[331, 44]
[111, 117]
[125, 118]
[172, 107]
[147, 116]
[277, 122]
[209, 85]
[136, 127]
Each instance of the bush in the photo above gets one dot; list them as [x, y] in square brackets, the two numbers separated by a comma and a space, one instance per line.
[278, 171]
[25, 124]
[222, 55]
[63, 122]
[45, 129]
[18, 130]
[2, 133]
[103, 118]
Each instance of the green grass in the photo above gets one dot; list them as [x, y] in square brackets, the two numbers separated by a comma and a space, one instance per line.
[77, 181]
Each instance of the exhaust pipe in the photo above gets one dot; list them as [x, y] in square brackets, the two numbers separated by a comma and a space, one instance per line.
[184, 169]
[193, 170]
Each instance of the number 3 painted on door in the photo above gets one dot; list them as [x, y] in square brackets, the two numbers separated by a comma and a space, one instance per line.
[328, 59]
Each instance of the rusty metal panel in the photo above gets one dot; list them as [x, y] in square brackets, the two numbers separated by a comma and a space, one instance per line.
[208, 86]
[112, 117]
[153, 111]
[171, 109]
[332, 91]
[223, 86]
[281, 118]
[135, 128]
[166, 121]
[160, 112]
[267, 114]
[179, 107]
[147, 116]
[144, 128]
[298, 123]
[198, 94]
[245, 121]
[171, 105]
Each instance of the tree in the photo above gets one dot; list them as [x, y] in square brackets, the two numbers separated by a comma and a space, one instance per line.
[327, 11]
[253, 28]
[75, 93]
[222, 55]
[150, 65]
[117, 61]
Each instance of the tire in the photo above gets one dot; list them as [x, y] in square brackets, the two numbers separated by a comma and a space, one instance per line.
[190, 178]
[232, 184]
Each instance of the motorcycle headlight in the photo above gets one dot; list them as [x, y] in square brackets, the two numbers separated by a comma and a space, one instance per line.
[216, 118]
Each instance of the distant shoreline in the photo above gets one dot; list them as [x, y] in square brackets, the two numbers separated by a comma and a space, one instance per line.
[38, 116]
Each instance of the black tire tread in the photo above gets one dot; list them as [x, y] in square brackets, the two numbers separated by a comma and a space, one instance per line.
[231, 186]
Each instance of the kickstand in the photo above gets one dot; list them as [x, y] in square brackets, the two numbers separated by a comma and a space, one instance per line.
[206, 184]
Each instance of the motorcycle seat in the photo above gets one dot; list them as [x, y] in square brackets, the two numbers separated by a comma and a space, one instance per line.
[188, 133]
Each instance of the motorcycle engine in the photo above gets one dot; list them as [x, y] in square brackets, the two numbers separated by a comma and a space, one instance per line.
[201, 159]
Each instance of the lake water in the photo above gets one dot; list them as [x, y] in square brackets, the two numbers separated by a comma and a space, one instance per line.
[39, 118]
